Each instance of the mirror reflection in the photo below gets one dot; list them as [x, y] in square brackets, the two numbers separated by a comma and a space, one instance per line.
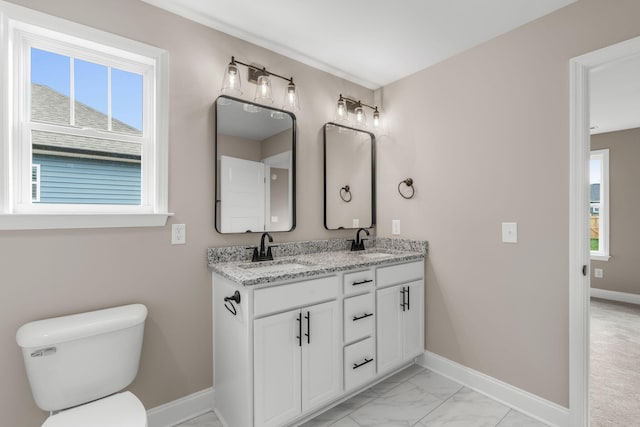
[255, 167]
[349, 177]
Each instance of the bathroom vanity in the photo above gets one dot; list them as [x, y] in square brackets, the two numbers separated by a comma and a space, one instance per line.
[299, 334]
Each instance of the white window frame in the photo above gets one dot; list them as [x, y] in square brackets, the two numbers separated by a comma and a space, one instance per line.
[603, 224]
[21, 29]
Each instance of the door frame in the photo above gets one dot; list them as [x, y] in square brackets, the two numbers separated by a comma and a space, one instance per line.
[579, 248]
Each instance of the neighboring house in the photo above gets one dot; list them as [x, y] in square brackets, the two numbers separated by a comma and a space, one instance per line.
[75, 169]
[594, 205]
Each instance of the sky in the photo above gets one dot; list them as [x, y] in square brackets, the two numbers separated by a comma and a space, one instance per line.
[91, 84]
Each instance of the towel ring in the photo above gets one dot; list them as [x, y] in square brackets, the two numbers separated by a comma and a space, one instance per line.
[409, 183]
[228, 302]
[344, 192]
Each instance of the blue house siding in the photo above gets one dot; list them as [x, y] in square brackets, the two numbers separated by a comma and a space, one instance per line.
[68, 180]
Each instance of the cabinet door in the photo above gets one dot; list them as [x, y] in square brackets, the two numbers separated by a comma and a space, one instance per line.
[389, 323]
[276, 368]
[321, 354]
[413, 321]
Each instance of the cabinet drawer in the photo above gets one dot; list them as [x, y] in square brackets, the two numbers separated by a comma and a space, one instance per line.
[358, 281]
[292, 295]
[400, 273]
[359, 363]
[358, 317]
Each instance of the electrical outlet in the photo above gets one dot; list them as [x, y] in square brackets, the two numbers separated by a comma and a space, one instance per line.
[356, 223]
[178, 234]
[395, 226]
[598, 273]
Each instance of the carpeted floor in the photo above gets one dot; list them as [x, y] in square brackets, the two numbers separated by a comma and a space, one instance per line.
[615, 364]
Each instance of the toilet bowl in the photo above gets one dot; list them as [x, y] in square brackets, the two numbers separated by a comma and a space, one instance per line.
[78, 365]
[121, 410]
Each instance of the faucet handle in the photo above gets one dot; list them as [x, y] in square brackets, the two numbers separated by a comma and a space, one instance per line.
[254, 256]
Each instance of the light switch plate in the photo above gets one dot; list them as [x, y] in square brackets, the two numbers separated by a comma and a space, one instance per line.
[509, 232]
[598, 273]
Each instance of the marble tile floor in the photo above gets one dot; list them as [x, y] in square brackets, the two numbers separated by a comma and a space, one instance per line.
[413, 397]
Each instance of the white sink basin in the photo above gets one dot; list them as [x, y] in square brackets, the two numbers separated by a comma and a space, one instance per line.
[275, 267]
[375, 255]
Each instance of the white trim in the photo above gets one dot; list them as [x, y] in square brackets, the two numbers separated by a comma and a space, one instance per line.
[579, 292]
[55, 221]
[599, 257]
[182, 409]
[615, 296]
[518, 399]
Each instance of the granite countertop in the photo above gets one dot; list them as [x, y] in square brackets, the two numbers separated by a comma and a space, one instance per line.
[308, 259]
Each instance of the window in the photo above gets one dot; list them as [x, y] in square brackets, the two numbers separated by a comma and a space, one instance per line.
[86, 144]
[599, 204]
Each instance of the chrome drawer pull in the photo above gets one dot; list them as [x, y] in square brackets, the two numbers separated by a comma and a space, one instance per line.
[356, 366]
[364, 316]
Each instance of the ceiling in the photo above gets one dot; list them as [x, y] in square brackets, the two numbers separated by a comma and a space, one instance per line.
[615, 96]
[369, 42]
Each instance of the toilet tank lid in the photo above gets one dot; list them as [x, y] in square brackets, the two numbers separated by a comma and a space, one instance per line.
[77, 326]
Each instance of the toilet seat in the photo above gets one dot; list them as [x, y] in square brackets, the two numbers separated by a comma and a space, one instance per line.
[121, 410]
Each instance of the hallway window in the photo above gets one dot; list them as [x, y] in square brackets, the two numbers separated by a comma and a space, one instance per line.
[599, 204]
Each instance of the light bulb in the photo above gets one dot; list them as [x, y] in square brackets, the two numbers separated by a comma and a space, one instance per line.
[231, 84]
[376, 118]
[342, 114]
[291, 97]
[361, 117]
[263, 90]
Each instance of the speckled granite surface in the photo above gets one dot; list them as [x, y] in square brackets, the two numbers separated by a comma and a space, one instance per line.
[298, 260]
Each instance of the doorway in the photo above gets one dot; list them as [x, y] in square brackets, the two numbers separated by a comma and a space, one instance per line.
[579, 239]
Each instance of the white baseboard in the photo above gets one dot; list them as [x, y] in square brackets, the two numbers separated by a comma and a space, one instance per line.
[520, 400]
[181, 410]
[615, 296]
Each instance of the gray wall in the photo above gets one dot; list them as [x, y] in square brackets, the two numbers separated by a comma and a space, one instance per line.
[485, 135]
[621, 271]
[56, 272]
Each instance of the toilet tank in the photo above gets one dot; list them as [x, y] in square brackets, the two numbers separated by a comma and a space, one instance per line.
[75, 359]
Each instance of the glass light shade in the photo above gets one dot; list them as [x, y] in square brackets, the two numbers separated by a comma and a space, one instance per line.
[231, 84]
[342, 115]
[291, 98]
[263, 90]
[361, 117]
[377, 124]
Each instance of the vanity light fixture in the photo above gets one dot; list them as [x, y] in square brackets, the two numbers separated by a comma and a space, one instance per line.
[346, 105]
[231, 85]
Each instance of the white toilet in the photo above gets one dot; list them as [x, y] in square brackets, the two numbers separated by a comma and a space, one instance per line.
[77, 365]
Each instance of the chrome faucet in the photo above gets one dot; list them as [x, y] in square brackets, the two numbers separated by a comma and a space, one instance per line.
[358, 243]
[264, 254]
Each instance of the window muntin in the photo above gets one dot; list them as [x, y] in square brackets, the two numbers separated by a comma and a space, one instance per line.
[599, 204]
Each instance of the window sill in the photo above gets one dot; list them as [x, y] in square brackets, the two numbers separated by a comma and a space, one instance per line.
[594, 257]
[63, 221]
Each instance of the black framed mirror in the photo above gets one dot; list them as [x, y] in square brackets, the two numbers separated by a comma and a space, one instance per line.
[255, 151]
[349, 177]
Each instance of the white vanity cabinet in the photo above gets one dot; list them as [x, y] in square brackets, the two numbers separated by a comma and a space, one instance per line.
[293, 348]
[400, 314]
[296, 362]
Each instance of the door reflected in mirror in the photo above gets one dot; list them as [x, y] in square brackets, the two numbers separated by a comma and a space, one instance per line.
[255, 167]
[349, 177]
